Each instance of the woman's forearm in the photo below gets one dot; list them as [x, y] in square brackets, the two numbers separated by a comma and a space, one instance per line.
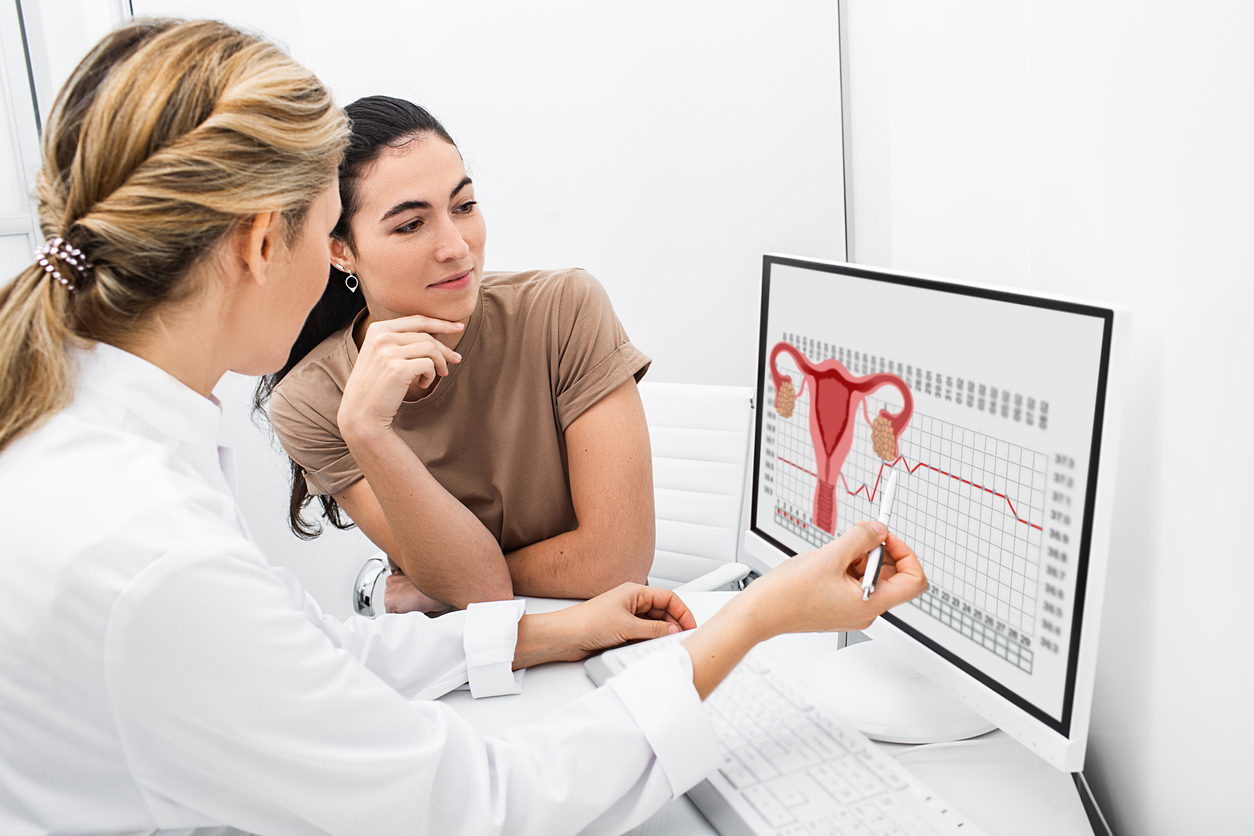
[718, 645]
[582, 563]
[611, 488]
[435, 539]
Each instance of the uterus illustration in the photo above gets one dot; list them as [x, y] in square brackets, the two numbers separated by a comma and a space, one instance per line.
[835, 396]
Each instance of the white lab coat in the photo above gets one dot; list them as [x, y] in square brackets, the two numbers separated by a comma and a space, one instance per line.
[156, 674]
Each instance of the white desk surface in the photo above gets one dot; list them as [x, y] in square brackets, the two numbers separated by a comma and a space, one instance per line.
[997, 783]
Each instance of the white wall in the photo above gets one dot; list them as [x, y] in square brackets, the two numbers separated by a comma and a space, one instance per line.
[1105, 150]
[663, 146]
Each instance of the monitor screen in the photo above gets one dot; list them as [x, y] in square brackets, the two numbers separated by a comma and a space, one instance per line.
[989, 405]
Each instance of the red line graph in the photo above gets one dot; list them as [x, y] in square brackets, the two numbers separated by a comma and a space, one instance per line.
[870, 493]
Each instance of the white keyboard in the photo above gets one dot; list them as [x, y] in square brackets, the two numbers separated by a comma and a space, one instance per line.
[791, 769]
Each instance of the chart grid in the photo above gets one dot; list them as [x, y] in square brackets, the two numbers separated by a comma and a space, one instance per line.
[970, 504]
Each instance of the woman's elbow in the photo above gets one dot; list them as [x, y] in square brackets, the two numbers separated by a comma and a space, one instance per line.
[635, 559]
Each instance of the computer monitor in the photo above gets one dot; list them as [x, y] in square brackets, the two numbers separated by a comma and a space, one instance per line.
[997, 409]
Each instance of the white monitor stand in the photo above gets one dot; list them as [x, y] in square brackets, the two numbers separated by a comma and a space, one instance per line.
[883, 697]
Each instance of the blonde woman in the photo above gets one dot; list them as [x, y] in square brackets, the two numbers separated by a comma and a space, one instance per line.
[158, 674]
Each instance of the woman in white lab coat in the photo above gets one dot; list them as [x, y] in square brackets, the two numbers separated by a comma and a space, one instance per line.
[158, 675]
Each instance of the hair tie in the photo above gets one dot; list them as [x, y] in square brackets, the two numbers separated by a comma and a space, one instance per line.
[61, 250]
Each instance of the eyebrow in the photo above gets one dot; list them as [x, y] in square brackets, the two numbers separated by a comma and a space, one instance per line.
[406, 205]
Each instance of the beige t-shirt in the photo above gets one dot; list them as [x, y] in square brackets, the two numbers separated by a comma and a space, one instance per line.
[540, 348]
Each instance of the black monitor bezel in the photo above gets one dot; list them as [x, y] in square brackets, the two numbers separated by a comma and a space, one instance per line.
[1061, 725]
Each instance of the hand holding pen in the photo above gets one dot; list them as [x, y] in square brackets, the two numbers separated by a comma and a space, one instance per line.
[875, 560]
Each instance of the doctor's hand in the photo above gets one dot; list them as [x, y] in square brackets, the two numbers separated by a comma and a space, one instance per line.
[822, 590]
[629, 612]
[398, 359]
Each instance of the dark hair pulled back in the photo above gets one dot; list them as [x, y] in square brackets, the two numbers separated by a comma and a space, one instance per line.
[377, 123]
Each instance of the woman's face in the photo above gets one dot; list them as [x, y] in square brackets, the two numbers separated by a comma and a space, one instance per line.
[418, 234]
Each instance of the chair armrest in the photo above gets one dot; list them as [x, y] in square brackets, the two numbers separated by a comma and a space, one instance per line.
[728, 573]
[364, 594]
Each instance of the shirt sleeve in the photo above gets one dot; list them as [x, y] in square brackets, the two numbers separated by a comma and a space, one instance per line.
[311, 436]
[233, 708]
[422, 657]
[593, 354]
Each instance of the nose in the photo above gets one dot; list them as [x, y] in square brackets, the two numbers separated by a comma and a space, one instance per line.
[450, 245]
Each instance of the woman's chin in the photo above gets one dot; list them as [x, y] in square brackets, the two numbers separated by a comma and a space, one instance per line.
[450, 307]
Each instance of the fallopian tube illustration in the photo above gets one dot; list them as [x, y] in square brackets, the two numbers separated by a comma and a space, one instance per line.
[835, 396]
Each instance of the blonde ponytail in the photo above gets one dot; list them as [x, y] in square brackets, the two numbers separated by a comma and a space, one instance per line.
[167, 136]
[35, 375]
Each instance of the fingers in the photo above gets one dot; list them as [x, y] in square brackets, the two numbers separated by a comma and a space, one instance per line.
[415, 346]
[907, 579]
[850, 547]
[663, 605]
[417, 324]
[643, 628]
[430, 351]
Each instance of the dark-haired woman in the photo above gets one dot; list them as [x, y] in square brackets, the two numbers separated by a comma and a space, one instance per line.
[522, 465]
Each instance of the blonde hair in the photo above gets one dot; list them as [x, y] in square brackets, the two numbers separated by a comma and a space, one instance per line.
[167, 137]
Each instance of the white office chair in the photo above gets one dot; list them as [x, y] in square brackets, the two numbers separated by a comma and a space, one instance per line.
[700, 440]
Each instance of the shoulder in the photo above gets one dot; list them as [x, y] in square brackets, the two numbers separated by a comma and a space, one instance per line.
[80, 485]
[559, 297]
[537, 284]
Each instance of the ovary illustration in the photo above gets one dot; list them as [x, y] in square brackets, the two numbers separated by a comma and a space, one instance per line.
[835, 396]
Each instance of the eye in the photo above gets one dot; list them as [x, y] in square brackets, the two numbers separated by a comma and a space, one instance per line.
[412, 226]
[466, 208]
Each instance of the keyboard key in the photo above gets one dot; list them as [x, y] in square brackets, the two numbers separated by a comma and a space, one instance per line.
[874, 818]
[883, 770]
[738, 777]
[773, 752]
[787, 691]
[835, 784]
[755, 763]
[789, 796]
[756, 663]
[898, 812]
[768, 806]
[735, 773]
[793, 759]
[826, 746]
[800, 723]
[859, 778]
[832, 727]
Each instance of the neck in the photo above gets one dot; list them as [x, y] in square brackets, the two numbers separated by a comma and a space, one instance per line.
[185, 345]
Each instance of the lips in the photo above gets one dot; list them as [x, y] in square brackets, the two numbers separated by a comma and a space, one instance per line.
[454, 282]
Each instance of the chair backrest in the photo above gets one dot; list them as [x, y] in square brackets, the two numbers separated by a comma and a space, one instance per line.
[700, 438]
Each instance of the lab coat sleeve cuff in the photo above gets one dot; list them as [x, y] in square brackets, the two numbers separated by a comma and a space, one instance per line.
[659, 694]
[490, 640]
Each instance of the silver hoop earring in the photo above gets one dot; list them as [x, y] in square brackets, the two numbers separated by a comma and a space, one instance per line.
[350, 281]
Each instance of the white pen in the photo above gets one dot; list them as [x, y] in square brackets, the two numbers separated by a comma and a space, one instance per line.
[875, 560]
